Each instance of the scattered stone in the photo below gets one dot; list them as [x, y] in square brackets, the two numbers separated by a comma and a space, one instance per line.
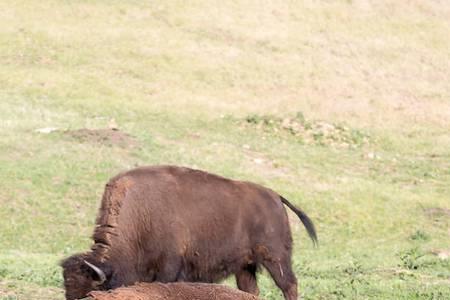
[373, 155]
[46, 130]
[113, 125]
[442, 254]
[258, 161]
[310, 132]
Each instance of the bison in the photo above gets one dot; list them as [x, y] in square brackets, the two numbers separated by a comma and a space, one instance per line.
[168, 224]
[172, 291]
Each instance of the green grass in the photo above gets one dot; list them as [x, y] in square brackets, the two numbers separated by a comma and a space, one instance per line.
[184, 79]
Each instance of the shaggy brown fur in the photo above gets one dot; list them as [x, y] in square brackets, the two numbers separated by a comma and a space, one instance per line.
[167, 224]
[173, 291]
[107, 220]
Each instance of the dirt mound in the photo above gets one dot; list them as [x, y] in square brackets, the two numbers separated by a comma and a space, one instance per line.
[109, 137]
[437, 212]
[172, 291]
[310, 131]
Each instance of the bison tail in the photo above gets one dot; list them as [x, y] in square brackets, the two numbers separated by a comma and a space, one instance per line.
[305, 220]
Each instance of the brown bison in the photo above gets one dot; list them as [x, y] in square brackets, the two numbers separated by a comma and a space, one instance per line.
[167, 224]
[173, 291]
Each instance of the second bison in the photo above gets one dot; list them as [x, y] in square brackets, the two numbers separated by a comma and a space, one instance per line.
[173, 291]
[167, 224]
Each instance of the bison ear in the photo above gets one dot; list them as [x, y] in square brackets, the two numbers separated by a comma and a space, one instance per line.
[97, 272]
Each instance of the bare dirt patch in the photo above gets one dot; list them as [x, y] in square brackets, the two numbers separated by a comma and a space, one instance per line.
[437, 212]
[108, 137]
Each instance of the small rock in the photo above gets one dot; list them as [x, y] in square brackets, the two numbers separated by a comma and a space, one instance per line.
[113, 125]
[326, 126]
[46, 130]
[286, 123]
[258, 161]
[245, 146]
[442, 254]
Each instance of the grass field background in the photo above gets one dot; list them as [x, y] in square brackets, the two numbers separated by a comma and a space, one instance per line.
[343, 107]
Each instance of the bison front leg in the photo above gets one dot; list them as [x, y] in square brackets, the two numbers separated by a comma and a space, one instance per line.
[246, 280]
[170, 271]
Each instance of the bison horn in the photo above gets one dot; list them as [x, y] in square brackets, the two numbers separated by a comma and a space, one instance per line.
[97, 270]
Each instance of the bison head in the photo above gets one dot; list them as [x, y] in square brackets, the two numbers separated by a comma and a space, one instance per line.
[82, 274]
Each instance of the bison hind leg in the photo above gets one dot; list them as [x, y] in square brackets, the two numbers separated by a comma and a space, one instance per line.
[284, 277]
[246, 279]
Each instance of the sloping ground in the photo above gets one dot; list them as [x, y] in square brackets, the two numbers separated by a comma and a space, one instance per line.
[198, 84]
[370, 62]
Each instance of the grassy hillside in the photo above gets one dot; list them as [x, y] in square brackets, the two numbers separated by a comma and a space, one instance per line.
[341, 106]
